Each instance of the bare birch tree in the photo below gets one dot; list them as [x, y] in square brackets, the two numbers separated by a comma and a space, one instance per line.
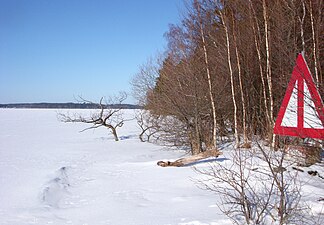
[210, 88]
[257, 42]
[314, 43]
[245, 138]
[301, 21]
[268, 67]
[232, 77]
[144, 80]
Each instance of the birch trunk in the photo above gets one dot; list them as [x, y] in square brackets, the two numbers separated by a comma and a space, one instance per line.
[257, 38]
[232, 80]
[197, 132]
[245, 139]
[211, 97]
[268, 69]
[314, 43]
[301, 20]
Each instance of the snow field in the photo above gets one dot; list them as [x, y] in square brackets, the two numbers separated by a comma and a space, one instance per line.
[50, 173]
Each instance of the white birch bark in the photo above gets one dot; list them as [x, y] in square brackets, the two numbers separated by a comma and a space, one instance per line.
[268, 68]
[257, 38]
[301, 20]
[314, 43]
[245, 139]
[232, 79]
[212, 102]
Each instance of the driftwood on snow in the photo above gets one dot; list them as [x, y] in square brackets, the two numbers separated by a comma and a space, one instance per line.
[191, 159]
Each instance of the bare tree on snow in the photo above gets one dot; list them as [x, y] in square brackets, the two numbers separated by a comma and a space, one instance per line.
[109, 115]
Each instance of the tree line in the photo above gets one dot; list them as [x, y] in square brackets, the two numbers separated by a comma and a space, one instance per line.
[69, 105]
[226, 68]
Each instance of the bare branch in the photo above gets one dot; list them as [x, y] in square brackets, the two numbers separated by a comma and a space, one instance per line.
[109, 115]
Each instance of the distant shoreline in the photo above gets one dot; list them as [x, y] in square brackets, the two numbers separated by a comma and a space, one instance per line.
[68, 105]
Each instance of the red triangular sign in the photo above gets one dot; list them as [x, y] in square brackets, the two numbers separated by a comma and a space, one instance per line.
[301, 113]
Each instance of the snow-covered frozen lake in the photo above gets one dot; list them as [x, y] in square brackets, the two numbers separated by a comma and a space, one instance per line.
[50, 173]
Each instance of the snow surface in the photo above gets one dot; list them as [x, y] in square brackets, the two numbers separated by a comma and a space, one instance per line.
[50, 173]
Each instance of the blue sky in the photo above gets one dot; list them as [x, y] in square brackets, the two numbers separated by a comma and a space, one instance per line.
[54, 50]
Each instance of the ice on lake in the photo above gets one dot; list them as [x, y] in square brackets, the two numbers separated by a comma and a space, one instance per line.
[50, 173]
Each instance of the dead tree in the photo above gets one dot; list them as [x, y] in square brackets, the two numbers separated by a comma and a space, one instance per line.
[109, 115]
[191, 159]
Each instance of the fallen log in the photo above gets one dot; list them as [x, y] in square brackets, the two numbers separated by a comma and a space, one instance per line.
[191, 159]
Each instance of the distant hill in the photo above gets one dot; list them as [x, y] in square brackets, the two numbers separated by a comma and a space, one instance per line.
[68, 105]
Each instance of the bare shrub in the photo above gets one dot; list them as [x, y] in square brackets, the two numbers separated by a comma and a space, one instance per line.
[257, 187]
[148, 123]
